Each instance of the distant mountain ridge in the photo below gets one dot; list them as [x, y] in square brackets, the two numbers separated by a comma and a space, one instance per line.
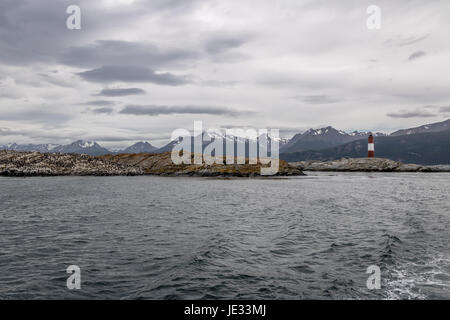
[320, 144]
[82, 147]
[139, 147]
[43, 148]
[317, 139]
[430, 148]
[433, 127]
[208, 137]
[91, 148]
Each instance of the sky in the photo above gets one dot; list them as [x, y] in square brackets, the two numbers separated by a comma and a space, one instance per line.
[139, 69]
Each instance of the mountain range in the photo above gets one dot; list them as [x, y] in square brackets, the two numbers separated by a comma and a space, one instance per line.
[140, 147]
[433, 127]
[317, 139]
[430, 148]
[426, 144]
[81, 147]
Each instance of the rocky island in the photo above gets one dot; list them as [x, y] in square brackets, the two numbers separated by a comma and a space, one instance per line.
[13, 163]
[367, 165]
[161, 164]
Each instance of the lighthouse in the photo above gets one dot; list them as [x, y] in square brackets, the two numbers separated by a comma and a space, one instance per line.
[371, 147]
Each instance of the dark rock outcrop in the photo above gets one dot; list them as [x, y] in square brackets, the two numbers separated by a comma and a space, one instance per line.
[366, 165]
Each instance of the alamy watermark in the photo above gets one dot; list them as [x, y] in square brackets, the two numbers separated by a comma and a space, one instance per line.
[73, 22]
[374, 20]
[74, 280]
[374, 280]
[227, 146]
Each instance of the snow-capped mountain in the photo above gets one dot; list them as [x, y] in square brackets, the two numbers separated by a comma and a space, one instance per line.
[43, 148]
[363, 134]
[317, 139]
[209, 136]
[238, 138]
[83, 147]
[310, 140]
[206, 136]
[139, 147]
[430, 148]
[433, 127]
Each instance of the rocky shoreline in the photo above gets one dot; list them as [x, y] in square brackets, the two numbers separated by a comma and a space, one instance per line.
[367, 165]
[23, 164]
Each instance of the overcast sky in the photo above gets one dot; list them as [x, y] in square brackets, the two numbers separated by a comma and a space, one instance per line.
[139, 69]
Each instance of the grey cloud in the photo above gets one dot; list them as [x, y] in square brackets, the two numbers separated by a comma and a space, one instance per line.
[118, 138]
[424, 112]
[108, 74]
[55, 81]
[220, 44]
[38, 24]
[103, 110]
[411, 114]
[100, 103]
[417, 55]
[155, 110]
[36, 116]
[121, 92]
[7, 132]
[41, 28]
[56, 136]
[430, 106]
[114, 52]
[294, 56]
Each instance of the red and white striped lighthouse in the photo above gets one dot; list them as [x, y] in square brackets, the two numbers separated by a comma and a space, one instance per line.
[371, 147]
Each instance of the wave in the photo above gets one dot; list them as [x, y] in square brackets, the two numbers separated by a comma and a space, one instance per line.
[427, 280]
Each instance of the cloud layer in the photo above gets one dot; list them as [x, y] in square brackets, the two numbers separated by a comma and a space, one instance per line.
[417, 55]
[121, 92]
[295, 64]
[164, 110]
[130, 74]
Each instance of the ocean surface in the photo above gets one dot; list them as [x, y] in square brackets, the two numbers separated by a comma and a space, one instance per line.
[149, 237]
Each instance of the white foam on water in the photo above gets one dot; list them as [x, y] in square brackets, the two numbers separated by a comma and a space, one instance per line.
[417, 280]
